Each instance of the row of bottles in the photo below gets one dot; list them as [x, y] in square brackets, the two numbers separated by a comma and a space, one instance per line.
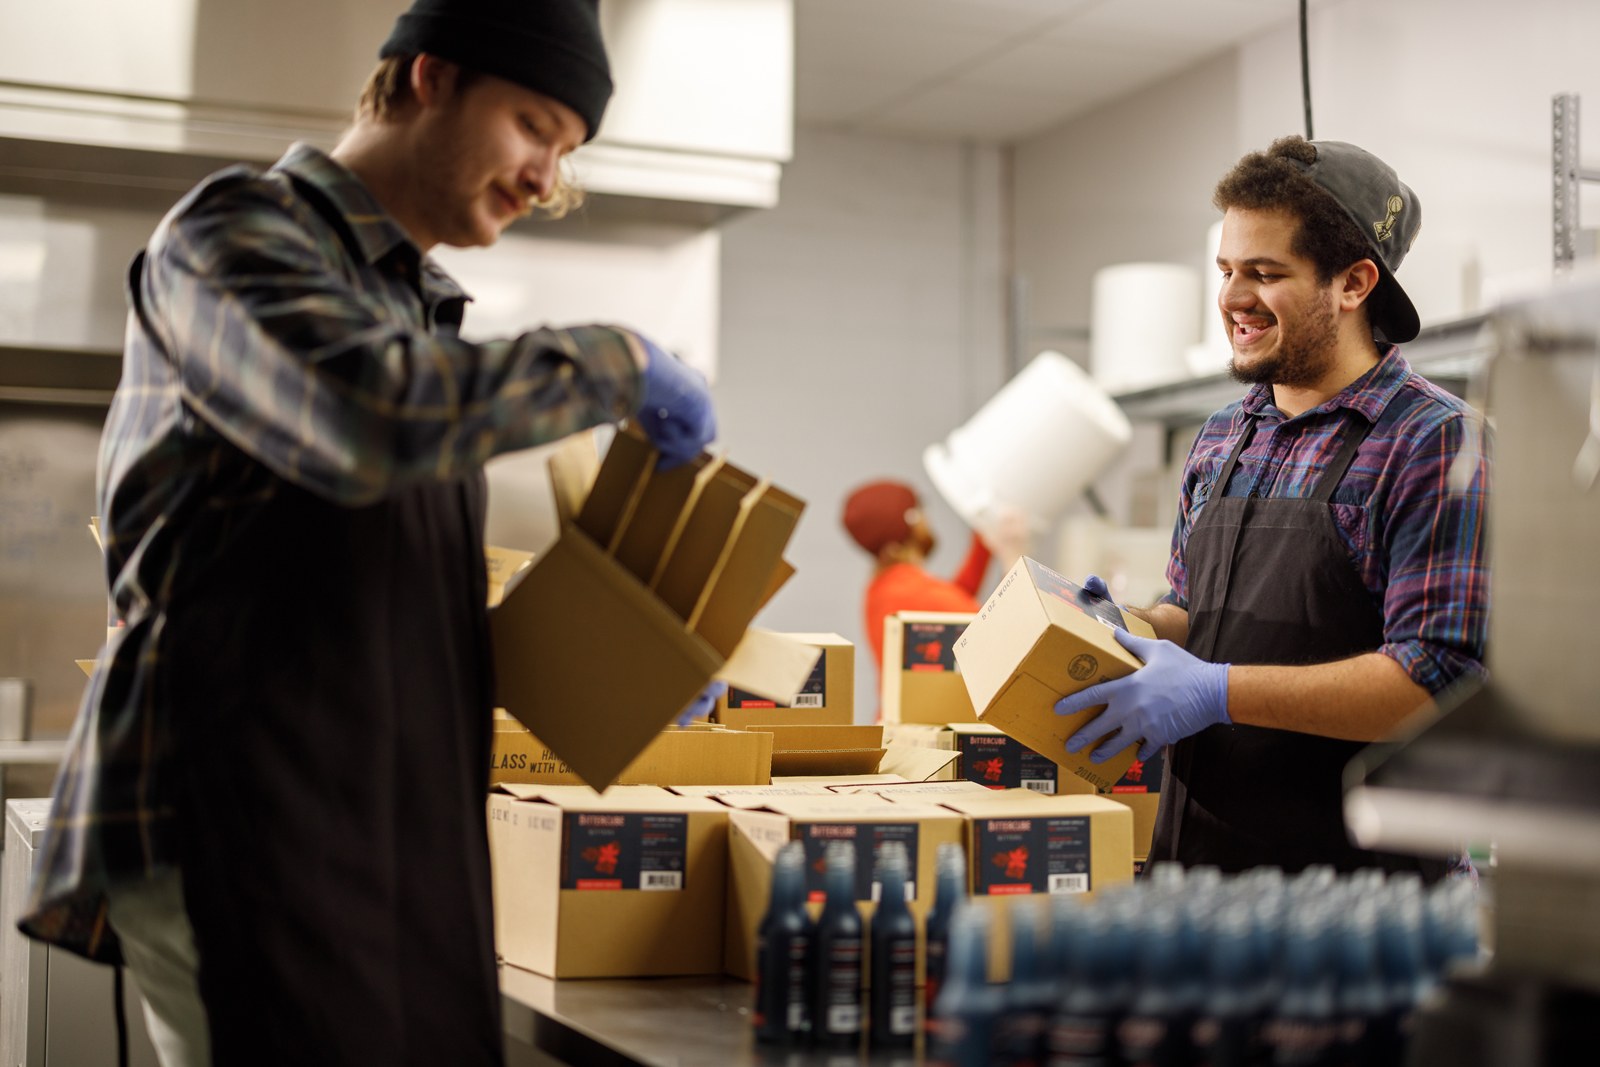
[809, 975]
[1190, 968]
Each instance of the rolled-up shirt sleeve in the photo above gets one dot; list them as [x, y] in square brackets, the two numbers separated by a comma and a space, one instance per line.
[1434, 549]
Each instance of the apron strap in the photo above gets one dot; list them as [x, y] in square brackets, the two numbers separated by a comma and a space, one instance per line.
[1357, 429]
[1221, 487]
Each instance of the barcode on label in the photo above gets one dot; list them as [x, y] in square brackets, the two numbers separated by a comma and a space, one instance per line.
[1069, 883]
[844, 1018]
[663, 880]
[808, 700]
[911, 891]
[903, 1019]
[1040, 785]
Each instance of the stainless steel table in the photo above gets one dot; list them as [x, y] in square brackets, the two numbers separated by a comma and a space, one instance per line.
[650, 1022]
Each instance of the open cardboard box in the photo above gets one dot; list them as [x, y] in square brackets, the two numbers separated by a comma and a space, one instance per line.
[921, 676]
[826, 698]
[810, 750]
[1039, 638]
[625, 885]
[756, 834]
[643, 598]
[675, 757]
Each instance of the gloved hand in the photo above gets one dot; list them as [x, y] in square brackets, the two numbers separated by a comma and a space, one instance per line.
[701, 706]
[1172, 696]
[1096, 585]
[676, 411]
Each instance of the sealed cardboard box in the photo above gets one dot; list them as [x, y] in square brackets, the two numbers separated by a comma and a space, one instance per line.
[1037, 639]
[991, 758]
[627, 884]
[1022, 842]
[827, 697]
[921, 674]
[596, 652]
[675, 757]
[1140, 789]
[865, 821]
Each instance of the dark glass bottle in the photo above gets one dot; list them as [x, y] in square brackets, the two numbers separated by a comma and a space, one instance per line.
[1155, 1031]
[1225, 1035]
[893, 996]
[1020, 1038]
[783, 954]
[836, 1000]
[1303, 1031]
[1094, 992]
[968, 1006]
[950, 889]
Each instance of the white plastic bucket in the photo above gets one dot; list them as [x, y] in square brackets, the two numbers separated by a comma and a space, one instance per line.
[1145, 316]
[1035, 445]
[1211, 355]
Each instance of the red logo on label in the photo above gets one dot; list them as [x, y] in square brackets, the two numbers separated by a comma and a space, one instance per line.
[929, 651]
[1015, 862]
[989, 768]
[603, 858]
[1135, 771]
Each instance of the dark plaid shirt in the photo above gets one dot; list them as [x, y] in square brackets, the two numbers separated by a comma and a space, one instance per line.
[1408, 513]
[284, 329]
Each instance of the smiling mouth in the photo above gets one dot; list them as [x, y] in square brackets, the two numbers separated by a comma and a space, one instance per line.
[1245, 333]
[511, 204]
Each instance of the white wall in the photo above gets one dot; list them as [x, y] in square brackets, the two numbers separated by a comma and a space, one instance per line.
[860, 322]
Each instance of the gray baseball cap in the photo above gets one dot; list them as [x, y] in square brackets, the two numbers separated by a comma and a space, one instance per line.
[1388, 214]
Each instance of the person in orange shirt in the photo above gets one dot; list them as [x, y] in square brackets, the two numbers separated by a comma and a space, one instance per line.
[886, 519]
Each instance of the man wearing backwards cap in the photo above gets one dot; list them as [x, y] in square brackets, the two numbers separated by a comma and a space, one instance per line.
[272, 803]
[1328, 570]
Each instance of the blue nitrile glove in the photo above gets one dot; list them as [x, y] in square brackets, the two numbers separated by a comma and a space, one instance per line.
[1172, 696]
[1096, 585]
[701, 706]
[676, 410]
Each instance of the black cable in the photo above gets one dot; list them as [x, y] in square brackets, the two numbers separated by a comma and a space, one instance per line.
[1305, 70]
[121, 1017]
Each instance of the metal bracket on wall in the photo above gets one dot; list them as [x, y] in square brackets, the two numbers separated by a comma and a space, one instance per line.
[1567, 171]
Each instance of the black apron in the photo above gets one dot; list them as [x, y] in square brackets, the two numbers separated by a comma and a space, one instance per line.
[333, 685]
[1270, 582]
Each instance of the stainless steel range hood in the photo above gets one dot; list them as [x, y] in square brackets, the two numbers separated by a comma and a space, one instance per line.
[138, 101]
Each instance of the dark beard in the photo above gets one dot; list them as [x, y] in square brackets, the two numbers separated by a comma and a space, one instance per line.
[1304, 354]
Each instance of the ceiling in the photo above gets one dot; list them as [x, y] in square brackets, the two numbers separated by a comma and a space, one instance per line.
[999, 70]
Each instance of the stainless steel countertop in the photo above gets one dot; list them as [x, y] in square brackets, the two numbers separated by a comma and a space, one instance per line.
[650, 1022]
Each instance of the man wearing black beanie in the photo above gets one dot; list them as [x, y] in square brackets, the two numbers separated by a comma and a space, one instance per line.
[272, 807]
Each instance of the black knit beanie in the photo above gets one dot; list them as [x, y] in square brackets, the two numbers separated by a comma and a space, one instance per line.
[550, 46]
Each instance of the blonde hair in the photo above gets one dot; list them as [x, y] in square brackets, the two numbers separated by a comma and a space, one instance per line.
[387, 93]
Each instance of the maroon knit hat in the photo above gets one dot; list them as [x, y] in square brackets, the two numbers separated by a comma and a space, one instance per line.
[875, 514]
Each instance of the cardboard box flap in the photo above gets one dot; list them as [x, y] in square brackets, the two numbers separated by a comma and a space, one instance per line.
[703, 757]
[617, 798]
[644, 540]
[703, 534]
[974, 728]
[834, 807]
[86, 666]
[575, 598]
[719, 792]
[1047, 733]
[780, 577]
[826, 780]
[624, 473]
[733, 591]
[827, 761]
[769, 664]
[897, 790]
[503, 564]
[820, 738]
[915, 763]
[992, 800]
[573, 469]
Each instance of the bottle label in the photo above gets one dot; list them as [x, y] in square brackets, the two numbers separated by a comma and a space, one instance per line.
[903, 986]
[799, 1016]
[1001, 762]
[842, 1002]
[867, 839]
[1080, 1040]
[812, 695]
[1300, 1041]
[931, 646]
[624, 850]
[1049, 855]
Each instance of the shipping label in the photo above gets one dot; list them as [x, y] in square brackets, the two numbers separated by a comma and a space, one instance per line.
[931, 646]
[624, 850]
[867, 839]
[1143, 776]
[1001, 762]
[1036, 855]
[814, 694]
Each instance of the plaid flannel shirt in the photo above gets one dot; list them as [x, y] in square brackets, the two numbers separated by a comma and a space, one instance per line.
[284, 329]
[1417, 541]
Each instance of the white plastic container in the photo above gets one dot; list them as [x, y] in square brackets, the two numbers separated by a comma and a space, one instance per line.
[1211, 355]
[1145, 316]
[1034, 446]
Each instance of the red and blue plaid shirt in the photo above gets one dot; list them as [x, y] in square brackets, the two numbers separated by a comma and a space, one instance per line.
[1415, 534]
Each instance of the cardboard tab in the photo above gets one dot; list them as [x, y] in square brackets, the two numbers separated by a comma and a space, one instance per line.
[617, 489]
[707, 522]
[573, 469]
[738, 581]
[504, 564]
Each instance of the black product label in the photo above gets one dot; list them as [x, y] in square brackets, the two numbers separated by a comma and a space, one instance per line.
[624, 850]
[1097, 608]
[1002, 762]
[1048, 855]
[1081, 1040]
[867, 839]
[931, 646]
[797, 1018]
[814, 694]
[903, 986]
[842, 998]
[1142, 776]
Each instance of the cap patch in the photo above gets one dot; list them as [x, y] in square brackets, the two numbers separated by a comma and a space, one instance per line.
[1386, 228]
